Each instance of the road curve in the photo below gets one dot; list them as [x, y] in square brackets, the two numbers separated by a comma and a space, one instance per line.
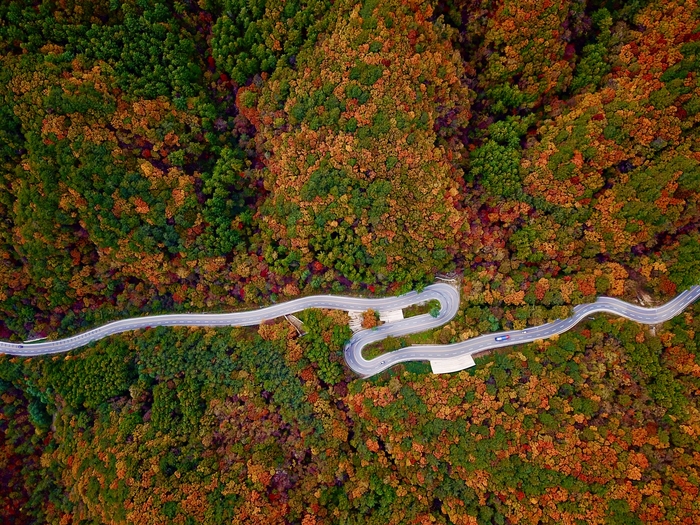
[448, 296]
[443, 358]
[457, 356]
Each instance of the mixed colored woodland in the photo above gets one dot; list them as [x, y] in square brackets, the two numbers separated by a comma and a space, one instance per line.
[162, 156]
[233, 426]
[215, 155]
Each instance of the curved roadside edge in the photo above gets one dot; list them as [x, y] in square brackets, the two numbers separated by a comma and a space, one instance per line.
[447, 295]
[458, 356]
[443, 358]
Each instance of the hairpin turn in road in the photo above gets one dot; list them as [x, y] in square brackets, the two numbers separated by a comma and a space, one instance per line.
[443, 358]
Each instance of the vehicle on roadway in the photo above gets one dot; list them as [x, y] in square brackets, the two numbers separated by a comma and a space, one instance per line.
[502, 338]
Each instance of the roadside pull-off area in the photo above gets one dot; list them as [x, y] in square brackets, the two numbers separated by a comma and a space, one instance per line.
[443, 358]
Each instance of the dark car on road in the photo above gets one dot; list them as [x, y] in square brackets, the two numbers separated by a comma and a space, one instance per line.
[502, 338]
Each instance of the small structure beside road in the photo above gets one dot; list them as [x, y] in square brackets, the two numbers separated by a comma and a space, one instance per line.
[391, 315]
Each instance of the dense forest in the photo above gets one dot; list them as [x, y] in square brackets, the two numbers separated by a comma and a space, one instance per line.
[162, 156]
[232, 426]
[215, 155]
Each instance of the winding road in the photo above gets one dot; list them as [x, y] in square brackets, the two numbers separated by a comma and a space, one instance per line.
[458, 356]
[443, 358]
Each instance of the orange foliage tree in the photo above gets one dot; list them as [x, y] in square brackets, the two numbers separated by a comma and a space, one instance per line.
[359, 179]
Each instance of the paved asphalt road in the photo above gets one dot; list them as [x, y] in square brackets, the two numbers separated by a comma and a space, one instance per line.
[447, 295]
[446, 356]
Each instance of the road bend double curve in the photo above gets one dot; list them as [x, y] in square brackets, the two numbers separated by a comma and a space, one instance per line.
[443, 358]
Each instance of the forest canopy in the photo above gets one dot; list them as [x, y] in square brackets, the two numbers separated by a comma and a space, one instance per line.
[217, 155]
[359, 179]
[163, 156]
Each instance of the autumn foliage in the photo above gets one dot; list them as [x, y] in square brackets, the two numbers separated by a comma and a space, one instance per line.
[225, 154]
[357, 176]
[359, 151]
[220, 425]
